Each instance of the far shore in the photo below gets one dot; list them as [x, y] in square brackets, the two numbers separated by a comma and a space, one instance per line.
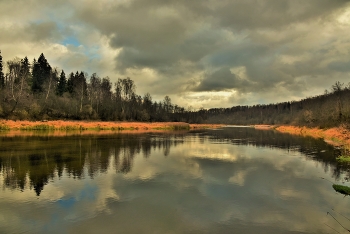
[337, 136]
[25, 125]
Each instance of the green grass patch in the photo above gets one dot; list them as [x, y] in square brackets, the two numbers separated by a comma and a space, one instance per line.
[341, 189]
[174, 127]
[42, 127]
[169, 128]
[343, 158]
[4, 127]
[181, 127]
[69, 128]
[73, 128]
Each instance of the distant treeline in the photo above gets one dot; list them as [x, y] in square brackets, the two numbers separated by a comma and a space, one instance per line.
[36, 91]
[328, 110]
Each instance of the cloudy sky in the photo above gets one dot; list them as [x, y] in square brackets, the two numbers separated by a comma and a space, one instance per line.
[202, 53]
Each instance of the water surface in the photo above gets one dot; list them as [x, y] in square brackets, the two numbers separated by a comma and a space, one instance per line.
[233, 180]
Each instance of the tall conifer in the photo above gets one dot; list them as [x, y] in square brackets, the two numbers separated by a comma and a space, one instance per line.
[41, 73]
[2, 77]
[61, 87]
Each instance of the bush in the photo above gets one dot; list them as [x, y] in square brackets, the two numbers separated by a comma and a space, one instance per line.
[34, 111]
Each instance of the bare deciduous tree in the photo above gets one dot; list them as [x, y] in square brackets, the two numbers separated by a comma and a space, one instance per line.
[16, 84]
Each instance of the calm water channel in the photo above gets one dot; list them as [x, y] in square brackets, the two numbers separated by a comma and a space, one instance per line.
[232, 180]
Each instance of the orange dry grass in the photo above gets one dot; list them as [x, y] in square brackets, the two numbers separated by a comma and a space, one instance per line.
[60, 124]
[58, 133]
[99, 125]
[202, 126]
[335, 136]
[263, 127]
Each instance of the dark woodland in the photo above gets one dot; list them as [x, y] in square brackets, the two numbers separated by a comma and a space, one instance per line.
[37, 91]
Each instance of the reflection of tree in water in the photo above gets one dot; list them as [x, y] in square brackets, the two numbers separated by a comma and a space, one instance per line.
[166, 146]
[14, 175]
[41, 171]
[146, 146]
[31, 162]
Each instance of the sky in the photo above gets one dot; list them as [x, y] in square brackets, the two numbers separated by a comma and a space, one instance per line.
[201, 53]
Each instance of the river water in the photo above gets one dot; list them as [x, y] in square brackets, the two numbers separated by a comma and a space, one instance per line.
[231, 180]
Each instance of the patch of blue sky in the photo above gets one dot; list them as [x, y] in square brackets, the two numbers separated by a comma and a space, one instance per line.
[71, 40]
[91, 52]
[88, 193]
[54, 223]
[67, 203]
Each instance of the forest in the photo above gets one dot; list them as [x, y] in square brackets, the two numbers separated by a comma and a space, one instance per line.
[331, 109]
[36, 91]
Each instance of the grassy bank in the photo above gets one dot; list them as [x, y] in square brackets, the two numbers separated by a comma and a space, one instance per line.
[336, 136]
[96, 125]
[339, 136]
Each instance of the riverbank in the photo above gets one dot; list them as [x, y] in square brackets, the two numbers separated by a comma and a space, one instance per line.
[98, 125]
[339, 136]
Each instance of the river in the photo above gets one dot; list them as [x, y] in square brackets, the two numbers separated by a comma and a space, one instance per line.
[229, 180]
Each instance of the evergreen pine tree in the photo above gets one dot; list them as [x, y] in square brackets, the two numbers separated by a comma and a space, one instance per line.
[2, 77]
[41, 73]
[70, 85]
[25, 69]
[61, 87]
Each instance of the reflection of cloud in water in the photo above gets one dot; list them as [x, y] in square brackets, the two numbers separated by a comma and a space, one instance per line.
[63, 199]
[198, 187]
[207, 150]
[239, 177]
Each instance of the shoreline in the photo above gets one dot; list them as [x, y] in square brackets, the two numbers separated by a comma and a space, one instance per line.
[336, 136]
[68, 125]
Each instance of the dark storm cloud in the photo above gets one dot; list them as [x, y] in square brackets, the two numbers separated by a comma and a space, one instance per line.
[273, 14]
[44, 31]
[156, 34]
[210, 34]
[33, 32]
[222, 79]
[292, 47]
[340, 66]
[191, 49]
